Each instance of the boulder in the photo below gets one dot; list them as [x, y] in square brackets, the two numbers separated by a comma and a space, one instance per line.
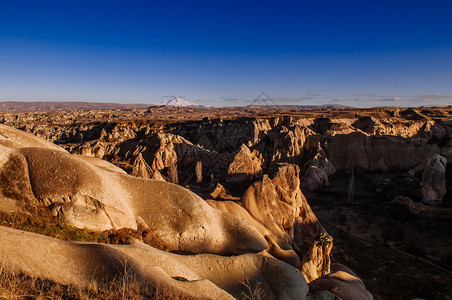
[220, 192]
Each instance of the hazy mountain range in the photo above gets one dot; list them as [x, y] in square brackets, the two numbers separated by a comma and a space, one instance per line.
[16, 106]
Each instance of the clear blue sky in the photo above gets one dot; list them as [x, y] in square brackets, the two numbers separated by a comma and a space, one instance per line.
[359, 53]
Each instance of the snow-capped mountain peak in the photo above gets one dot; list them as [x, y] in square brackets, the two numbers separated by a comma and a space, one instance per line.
[176, 101]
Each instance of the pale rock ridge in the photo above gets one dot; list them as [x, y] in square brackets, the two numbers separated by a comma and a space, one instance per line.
[14, 138]
[79, 191]
[205, 276]
[180, 220]
[101, 163]
[288, 256]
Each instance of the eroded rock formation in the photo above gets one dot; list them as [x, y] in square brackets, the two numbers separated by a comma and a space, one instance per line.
[88, 196]
[256, 159]
[433, 182]
[316, 262]
[87, 192]
[245, 167]
[278, 203]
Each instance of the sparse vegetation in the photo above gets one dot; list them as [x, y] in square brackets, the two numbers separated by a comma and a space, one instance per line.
[54, 228]
[19, 286]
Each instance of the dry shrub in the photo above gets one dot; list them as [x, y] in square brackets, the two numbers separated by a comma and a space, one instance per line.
[43, 223]
[252, 293]
[20, 286]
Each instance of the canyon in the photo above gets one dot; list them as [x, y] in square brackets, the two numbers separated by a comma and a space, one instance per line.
[217, 196]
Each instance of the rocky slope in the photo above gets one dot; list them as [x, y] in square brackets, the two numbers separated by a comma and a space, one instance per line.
[44, 181]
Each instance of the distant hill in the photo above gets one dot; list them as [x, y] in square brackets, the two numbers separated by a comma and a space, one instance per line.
[322, 106]
[16, 106]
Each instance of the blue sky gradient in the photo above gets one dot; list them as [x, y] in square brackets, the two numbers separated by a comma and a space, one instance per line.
[359, 53]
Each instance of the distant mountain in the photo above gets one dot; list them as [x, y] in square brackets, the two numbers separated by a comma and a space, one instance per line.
[176, 101]
[16, 106]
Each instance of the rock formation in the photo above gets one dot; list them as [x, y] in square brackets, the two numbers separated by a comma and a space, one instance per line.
[317, 172]
[433, 183]
[316, 262]
[342, 282]
[88, 196]
[254, 158]
[87, 193]
[278, 203]
[322, 143]
[141, 168]
[245, 167]
[221, 193]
